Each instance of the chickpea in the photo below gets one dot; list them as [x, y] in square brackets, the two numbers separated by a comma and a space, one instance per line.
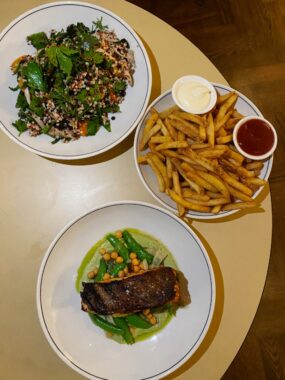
[91, 274]
[153, 320]
[119, 234]
[107, 257]
[146, 311]
[114, 255]
[136, 268]
[133, 255]
[119, 260]
[121, 274]
[102, 251]
[135, 262]
[126, 270]
[106, 276]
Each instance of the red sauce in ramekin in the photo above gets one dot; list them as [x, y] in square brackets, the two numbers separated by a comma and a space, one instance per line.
[255, 137]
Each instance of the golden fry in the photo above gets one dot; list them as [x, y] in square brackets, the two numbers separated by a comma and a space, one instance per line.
[161, 184]
[142, 159]
[146, 136]
[216, 183]
[160, 139]
[177, 189]
[188, 205]
[224, 139]
[183, 173]
[172, 145]
[190, 117]
[233, 182]
[163, 115]
[216, 209]
[211, 130]
[161, 167]
[239, 205]
[222, 98]
[226, 106]
[171, 130]
[188, 193]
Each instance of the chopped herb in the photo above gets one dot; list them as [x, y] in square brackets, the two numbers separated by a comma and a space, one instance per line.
[38, 40]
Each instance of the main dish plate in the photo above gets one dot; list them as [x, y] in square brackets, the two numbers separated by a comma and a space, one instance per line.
[81, 344]
[58, 16]
[146, 174]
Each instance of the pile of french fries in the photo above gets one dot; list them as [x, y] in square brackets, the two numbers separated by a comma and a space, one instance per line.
[195, 161]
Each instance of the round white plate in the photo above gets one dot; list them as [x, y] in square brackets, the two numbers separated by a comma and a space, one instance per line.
[164, 101]
[81, 344]
[58, 16]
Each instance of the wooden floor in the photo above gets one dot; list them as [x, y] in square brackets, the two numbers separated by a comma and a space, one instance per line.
[245, 39]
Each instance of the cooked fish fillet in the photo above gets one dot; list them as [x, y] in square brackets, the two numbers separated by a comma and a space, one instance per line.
[153, 288]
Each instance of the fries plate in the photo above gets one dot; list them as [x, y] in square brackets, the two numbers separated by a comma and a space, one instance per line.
[243, 106]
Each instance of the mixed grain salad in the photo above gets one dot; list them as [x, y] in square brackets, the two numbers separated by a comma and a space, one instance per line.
[74, 82]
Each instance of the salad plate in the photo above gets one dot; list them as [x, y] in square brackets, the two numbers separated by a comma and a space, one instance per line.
[165, 101]
[84, 346]
[58, 16]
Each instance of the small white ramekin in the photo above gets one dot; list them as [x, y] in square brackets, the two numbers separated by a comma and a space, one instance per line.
[203, 81]
[245, 154]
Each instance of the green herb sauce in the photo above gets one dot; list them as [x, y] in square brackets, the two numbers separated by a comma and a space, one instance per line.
[151, 244]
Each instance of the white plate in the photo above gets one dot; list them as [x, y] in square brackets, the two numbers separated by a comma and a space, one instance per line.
[81, 344]
[57, 16]
[164, 101]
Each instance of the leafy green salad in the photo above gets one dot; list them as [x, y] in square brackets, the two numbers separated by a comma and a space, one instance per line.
[74, 81]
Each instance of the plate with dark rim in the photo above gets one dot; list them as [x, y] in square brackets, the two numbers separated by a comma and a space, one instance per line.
[148, 178]
[58, 16]
[84, 346]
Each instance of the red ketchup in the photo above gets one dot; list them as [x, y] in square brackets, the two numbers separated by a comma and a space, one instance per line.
[255, 137]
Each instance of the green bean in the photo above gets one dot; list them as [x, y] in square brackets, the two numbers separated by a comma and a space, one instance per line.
[102, 270]
[137, 321]
[134, 246]
[116, 269]
[119, 246]
[105, 325]
[122, 324]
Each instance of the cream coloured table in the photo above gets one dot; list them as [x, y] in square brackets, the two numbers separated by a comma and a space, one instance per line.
[39, 196]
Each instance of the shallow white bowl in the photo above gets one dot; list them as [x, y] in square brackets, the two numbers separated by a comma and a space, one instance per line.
[239, 148]
[164, 101]
[196, 79]
[81, 344]
[58, 16]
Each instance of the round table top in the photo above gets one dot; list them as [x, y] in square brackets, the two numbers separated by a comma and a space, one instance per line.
[40, 196]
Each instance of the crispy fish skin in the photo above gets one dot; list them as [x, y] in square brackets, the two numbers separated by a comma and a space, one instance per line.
[153, 288]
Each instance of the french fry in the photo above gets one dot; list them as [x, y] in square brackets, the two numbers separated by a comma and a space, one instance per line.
[163, 128]
[233, 182]
[190, 117]
[149, 133]
[172, 145]
[160, 139]
[224, 139]
[177, 189]
[222, 98]
[217, 183]
[188, 128]
[171, 130]
[216, 209]
[239, 205]
[161, 184]
[169, 168]
[161, 167]
[163, 115]
[199, 145]
[255, 181]
[226, 106]
[238, 194]
[152, 147]
[254, 165]
[210, 202]
[202, 132]
[211, 130]
[188, 193]
[192, 184]
[142, 159]
[188, 205]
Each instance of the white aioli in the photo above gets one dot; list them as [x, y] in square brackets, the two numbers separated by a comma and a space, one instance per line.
[193, 96]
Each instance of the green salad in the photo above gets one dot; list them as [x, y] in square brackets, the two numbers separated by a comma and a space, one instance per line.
[117, 256]
[74, 82]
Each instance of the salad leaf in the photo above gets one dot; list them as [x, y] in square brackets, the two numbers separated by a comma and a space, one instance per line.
[20, 125]
[65, 63]
[21, 101]
[98, 24]
[119, 86]
[93, 126]
[38, 40]
[34, 76]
